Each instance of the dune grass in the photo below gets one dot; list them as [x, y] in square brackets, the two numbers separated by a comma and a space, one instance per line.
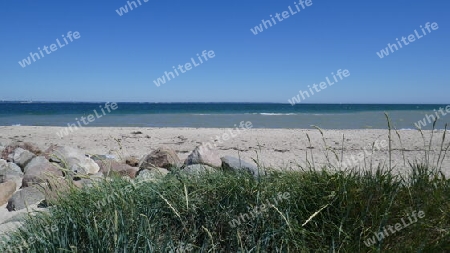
[325, 212]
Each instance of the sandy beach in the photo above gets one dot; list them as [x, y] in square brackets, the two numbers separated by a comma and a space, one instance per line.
[277, 148]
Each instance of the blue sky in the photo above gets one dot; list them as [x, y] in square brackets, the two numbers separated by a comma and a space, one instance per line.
[118, 57]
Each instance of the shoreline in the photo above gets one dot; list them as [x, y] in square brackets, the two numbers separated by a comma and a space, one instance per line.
[277, 148]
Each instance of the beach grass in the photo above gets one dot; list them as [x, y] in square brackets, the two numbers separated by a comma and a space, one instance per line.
[325, 212]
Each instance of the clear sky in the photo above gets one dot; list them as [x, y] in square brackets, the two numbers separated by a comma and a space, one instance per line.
[117, 57]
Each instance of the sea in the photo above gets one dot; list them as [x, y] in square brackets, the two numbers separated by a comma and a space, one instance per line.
[224, 115]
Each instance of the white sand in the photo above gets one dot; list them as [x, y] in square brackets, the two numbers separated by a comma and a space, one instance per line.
[279, 148]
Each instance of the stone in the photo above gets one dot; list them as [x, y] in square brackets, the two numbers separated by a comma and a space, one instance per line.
[15, 168]
[56, 188]
[198, 168]
[90, 181]
[10, 172]
[132, 161]
[235, 164]
[3, 167]
[25, 197]
[38, 170]
[8, 150]
[111, 166]
[21, 157]
[7, 190]
[151, 175]
[162, 158]
[203, 155]
[8, 228]
[72, 159]
[101, 157]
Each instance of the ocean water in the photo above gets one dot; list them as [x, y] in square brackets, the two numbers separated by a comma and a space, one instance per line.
[221, 115]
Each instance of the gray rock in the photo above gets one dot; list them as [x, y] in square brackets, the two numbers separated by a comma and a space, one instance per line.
[160, 158]
[25, 197]
[132, 161]
[102, 157]
[203, 155]
[7, 189]
[232, 163]
[3, 167]
[111, 166]
[21, 157]
[8, 228]
[151, 175]
[38, 171]
[8, 150]
[10, 172]
[11, 221]
[15, 168]
[198, 168]
[90, 181]
[73, 159]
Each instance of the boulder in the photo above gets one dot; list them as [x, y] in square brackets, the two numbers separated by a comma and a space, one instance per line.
[55, 188]
[38, 170]
[162, 158]
[21, 157]
[3, 167]
[10, 172]
[89, 181]
[111, 166]
[8, 150]
[203, 155]
[232, 163]
[72, 159]
[15, 168]
[101, 157]
[25, 197]
[151, 175]
[198, 168]
[132, 161]
[7, 189]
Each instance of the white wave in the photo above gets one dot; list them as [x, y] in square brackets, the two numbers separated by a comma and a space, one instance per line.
[276, 114]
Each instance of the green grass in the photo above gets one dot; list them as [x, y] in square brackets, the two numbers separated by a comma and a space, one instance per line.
[196, 211]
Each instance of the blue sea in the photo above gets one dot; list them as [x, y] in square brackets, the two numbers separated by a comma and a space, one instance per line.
[221, 115]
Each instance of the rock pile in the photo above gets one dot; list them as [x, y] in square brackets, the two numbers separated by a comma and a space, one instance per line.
[30, 176]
